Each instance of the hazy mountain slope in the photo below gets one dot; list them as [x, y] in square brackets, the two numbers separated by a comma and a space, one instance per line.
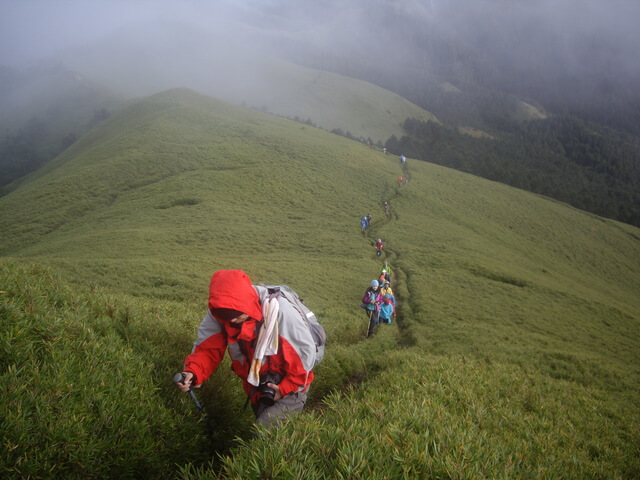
[42, 111]
[568, 56]
[144, 59]
[53, 94]
[554, 81]
[181, 157]
[517, 330]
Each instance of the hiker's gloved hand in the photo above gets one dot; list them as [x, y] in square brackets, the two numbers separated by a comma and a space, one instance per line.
[185, 384]
[277, 396]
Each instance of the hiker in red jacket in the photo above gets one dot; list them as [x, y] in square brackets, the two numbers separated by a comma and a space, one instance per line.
[379, 247]
[276, 382]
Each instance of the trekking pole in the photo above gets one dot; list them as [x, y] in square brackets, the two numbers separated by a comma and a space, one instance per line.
[179, 378]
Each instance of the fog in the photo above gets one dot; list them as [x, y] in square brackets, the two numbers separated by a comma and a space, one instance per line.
[144, 45]
[33, 30]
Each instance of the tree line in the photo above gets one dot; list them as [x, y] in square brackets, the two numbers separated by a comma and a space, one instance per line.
[589, 166]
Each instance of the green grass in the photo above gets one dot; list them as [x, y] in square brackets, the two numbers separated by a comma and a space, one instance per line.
[515, 354]
[442, 417]
[83, 382]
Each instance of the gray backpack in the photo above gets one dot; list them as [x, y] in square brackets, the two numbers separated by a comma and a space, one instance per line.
[317, 331]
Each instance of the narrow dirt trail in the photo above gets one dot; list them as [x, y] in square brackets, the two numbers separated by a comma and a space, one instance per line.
[390, 255]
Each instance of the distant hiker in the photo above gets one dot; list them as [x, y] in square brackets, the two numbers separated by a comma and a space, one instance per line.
[386, 269]
[237, 319]
[386, 210]
[365, 222]
[403, 160]
[384, 277]
[371, 301]
[384, 150]
[400, 180]
[379, 247]
[387, 310]
[385, 289]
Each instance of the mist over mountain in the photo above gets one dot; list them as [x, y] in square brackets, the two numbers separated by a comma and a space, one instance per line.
[547, 88]
[508, 71]
[570, 56]
[43, 110]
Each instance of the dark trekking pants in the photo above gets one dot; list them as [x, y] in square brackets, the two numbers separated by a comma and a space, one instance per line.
[373, 321]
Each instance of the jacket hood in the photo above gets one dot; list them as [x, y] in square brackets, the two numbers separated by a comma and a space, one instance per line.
[232, 289]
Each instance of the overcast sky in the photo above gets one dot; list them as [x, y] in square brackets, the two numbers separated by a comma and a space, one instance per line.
[33, 29]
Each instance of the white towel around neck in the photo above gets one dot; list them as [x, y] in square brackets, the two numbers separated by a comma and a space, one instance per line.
[267, 343]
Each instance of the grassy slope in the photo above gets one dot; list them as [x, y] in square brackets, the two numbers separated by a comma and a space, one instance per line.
[333, 101]
[519, 314]
[168, 178]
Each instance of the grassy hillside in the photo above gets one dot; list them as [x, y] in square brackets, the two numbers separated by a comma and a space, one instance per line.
[514, 354]
[131, 189]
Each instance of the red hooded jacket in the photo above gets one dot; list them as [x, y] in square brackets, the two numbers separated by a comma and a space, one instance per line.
[232, 289]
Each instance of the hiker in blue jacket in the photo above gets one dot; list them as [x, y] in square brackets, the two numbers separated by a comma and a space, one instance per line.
[386, 309]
